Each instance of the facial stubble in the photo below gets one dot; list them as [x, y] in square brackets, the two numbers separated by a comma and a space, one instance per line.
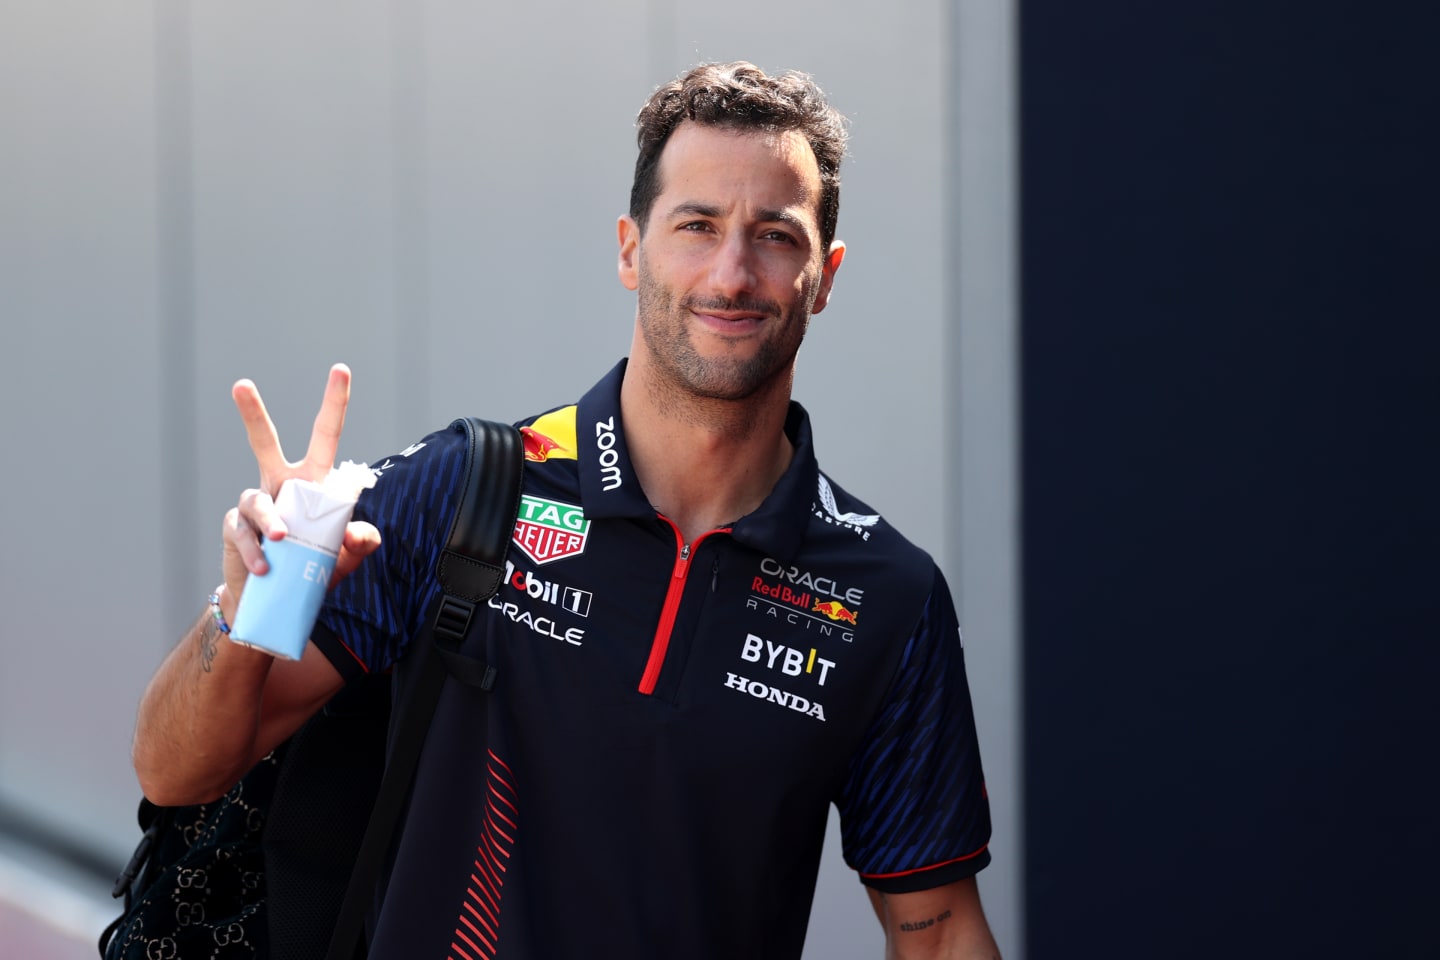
[665, 325]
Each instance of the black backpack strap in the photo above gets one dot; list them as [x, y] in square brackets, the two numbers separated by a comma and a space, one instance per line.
[470, 570]
[473, 561]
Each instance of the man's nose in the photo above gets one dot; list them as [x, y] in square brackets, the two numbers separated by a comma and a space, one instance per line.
[733, 269]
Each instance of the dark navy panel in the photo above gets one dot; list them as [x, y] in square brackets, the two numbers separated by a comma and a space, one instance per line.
[1230, 397]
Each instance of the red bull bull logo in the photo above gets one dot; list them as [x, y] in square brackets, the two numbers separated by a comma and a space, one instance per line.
[835, 610]
[538, 446]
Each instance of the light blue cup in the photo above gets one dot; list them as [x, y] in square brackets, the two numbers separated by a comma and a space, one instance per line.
[278, 610]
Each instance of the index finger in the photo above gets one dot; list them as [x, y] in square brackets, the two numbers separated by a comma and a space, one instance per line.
[259, 430]
[329, 422]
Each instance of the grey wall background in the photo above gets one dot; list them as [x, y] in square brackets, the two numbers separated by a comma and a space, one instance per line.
[192, 193]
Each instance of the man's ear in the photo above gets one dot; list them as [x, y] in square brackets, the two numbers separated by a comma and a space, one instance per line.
[627, 231]
[827, 275]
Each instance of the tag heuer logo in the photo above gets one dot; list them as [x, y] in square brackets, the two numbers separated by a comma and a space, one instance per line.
[547, 530]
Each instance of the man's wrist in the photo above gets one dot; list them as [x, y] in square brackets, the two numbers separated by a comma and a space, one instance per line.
[223, 606]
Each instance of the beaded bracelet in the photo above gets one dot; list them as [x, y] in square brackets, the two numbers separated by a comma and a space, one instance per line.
[219, 616]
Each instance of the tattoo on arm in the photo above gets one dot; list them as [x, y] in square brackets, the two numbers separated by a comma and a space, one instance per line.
[918, 925]
[209, 643]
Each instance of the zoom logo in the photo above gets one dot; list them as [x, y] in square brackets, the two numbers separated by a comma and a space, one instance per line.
[548, 591]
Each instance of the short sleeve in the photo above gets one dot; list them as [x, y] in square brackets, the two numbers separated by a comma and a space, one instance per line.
[914, 812]
[370, 615]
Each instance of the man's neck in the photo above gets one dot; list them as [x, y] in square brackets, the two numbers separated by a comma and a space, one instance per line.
[704, 463]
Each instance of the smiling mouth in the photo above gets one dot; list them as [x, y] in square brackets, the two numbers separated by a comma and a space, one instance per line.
[729, 317]
[735, 316]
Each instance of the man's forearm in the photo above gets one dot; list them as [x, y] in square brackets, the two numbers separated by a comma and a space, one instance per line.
[195, 734]
[957, 944]
[909, 940]
[946, 923]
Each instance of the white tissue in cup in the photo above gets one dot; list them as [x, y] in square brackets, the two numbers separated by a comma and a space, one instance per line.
[277, 610]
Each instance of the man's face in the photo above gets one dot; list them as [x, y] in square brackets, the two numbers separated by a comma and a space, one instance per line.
[729, 269]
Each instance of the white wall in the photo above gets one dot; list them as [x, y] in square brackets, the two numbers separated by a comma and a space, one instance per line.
[192, 193]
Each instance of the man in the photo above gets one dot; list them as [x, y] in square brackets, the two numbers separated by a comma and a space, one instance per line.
[701, 642]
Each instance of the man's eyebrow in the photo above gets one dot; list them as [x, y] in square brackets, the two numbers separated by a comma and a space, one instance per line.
[694, 208]
[785, 217]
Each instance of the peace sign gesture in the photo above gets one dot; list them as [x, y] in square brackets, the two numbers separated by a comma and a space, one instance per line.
[255, 516]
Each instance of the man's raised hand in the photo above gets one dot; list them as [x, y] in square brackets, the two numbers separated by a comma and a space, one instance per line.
[255, 516]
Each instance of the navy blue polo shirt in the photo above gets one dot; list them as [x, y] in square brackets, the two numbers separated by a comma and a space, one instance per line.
[652, 772]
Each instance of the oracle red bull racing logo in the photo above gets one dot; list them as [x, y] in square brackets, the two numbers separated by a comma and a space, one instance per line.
[804, 600]
[548, 530]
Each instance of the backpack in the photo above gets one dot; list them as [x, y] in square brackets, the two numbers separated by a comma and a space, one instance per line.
[284, 866]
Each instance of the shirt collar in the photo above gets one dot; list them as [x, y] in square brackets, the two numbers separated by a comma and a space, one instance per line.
[609, 487]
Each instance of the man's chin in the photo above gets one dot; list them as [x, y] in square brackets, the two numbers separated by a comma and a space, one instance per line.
[730, 381]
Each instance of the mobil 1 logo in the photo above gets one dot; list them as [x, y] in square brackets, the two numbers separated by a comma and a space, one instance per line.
[572, 599]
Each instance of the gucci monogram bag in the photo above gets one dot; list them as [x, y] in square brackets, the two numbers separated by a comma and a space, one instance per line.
[200, 891]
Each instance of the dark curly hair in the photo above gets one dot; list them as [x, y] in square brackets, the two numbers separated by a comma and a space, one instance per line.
[741, 96]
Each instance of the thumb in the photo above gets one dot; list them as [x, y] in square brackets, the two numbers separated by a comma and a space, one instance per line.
[361, 540]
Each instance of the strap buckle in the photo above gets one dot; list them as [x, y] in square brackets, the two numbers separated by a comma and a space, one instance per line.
[453, 618]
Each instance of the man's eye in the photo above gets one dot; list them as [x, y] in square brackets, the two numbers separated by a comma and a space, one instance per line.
[779, 236]
[696, 226]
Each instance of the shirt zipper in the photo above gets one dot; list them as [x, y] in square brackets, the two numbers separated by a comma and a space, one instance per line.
[668, 612]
